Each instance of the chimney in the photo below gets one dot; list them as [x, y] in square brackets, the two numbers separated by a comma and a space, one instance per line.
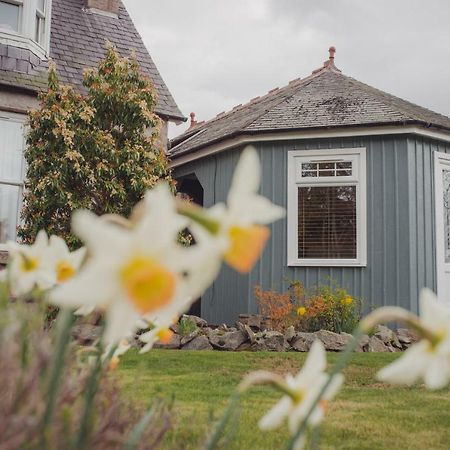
[104, 6]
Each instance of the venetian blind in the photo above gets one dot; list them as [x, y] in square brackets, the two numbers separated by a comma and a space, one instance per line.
[327, 222]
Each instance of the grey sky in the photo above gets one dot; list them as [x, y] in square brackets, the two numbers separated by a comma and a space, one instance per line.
[215, 54]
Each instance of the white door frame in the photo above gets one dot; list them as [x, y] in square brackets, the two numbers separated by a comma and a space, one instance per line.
[441, 161]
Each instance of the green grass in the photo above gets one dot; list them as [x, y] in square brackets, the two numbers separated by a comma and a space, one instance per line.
[365, 415]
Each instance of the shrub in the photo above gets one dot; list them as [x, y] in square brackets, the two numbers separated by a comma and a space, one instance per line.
[98, 151]
[322, 307]
[186, 326]
[330, 308]
[279, 307]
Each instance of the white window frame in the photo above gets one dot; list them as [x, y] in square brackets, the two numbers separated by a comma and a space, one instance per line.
[17, 118]
[358, 179]
[25, 37]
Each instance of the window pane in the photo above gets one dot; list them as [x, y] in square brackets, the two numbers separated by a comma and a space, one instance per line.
[11, 147]
[9, 207]
[41, 5]
[327, 222]
[9, 16]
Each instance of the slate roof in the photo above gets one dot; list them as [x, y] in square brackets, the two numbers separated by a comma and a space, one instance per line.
[325, 99]
[77, 42]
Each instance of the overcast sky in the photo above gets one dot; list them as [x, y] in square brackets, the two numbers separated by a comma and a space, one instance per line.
[215, 54]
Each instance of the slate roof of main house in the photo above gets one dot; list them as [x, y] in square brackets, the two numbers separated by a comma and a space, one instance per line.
[77, 42]
[325, 99]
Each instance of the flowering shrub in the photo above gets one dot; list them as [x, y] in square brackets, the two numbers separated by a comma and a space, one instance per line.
[320, 308]
[98, 151]
[280, 308]
[329, 308]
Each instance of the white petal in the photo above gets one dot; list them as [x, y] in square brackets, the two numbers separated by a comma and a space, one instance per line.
[77, 257]
[409, 368]
[256, 209]
[93, 286]
[121, 321]
[314, 364]
[160, 219]
[433, 313]
[246, 178]
[102, 238]
[58, 245]
[437, 373]
[276, 415]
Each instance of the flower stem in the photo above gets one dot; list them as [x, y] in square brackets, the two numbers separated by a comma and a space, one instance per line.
[218, 430]
[91, 390]
[198, 215]
[64, 325]
[337, 368]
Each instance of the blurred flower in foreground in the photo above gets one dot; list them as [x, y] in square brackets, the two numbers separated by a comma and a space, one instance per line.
[301, 391]
[65, 264]
[429, 359]
[160, 333]
[29, 266]
[240, 232]
[137, 272]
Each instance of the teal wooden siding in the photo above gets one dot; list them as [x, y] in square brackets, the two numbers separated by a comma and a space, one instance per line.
[400, 225]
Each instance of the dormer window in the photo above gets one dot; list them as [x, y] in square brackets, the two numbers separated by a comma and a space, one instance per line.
[26, 24]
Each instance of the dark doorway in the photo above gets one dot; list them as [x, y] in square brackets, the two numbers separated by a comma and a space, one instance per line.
[190, 186]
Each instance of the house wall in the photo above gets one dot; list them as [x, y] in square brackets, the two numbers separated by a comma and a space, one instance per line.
[399, 233]
[422, 213]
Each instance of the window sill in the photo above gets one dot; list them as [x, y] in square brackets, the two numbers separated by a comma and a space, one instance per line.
[17, 40]
[326, 263]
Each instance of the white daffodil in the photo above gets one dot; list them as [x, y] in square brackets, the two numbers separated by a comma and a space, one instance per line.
[159, 333]
[429, 359]
[141, 272]
[123, 346]
[242, 232]
[302, 391]
[65, 264]
[29, 266]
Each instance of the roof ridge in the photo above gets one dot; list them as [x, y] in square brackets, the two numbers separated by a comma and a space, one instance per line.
[257, 100]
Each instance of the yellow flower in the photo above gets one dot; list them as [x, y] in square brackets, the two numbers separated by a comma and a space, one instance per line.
[347, 300]
[301, 311]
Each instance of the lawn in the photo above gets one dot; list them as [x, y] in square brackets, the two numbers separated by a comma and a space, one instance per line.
[365, 415]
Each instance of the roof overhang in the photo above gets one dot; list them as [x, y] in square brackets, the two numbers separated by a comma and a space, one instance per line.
[243, 139]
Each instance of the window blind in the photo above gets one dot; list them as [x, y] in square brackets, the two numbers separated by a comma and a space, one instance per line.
[327, 222]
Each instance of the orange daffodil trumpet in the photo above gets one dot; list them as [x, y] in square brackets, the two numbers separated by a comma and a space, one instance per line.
[135, 273]
[301, 392]
[429, 359]
[239, 228]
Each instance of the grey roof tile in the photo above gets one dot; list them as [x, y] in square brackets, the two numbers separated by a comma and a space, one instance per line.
[77, 42]
[325, 99]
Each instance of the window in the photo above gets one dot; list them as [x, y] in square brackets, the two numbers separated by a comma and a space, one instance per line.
[327, 207]
[11, 175]
[26, 24]
[9, 16]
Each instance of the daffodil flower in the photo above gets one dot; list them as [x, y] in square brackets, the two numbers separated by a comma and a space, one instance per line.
[65, 263]
[137, 272]
[429, 359]
[29, 267]
[241, 232]
[301, 391]
[159, 333]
